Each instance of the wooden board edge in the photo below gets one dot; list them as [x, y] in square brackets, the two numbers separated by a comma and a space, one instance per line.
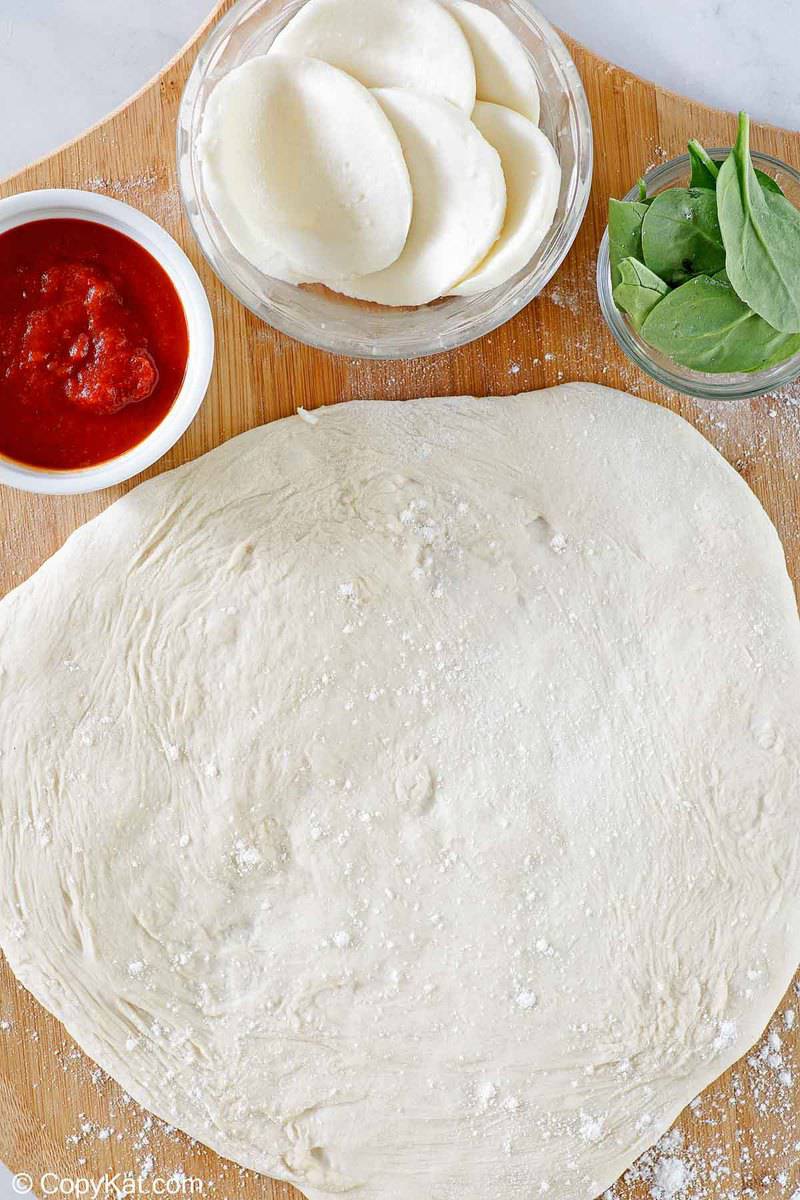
[186, 51]
[189, 49]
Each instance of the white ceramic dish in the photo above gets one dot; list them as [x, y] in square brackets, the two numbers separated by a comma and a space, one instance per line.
[68, 203]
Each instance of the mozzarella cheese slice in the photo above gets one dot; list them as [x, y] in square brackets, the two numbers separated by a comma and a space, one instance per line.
[459, 201]
[504, 73]
[304, 170]
[533, 182]
[386, 43]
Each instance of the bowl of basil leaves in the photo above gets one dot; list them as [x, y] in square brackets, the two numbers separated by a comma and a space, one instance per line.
[698, 273]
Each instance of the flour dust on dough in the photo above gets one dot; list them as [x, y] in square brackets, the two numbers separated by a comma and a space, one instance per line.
[405, 802]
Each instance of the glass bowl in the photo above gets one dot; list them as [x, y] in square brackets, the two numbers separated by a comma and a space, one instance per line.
[332, 322]
[664, 370]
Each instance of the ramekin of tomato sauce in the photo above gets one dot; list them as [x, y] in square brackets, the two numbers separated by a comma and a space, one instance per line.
[106, 341]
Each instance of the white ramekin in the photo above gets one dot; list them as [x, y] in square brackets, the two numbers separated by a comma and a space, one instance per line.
[88, 206]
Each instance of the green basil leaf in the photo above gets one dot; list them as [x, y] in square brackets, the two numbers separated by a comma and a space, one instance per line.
[638, 291]
[705, 326]
[681, 235]
[761, 231]
[768, 183]
[704, 169]
[624, 233]
[642, 186]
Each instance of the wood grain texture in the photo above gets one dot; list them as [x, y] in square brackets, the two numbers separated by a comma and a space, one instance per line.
[57, 1111]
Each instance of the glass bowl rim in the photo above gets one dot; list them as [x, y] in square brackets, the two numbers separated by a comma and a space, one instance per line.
[698, 384]
[466, 327]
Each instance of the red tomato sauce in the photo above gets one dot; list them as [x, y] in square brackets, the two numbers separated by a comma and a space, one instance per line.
[93, 343]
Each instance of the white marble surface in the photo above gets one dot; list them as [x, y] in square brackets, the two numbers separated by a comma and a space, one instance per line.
[65, 63]
[732, 54]
[7, 1190]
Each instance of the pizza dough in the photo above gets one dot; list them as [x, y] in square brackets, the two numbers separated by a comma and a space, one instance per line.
[403, 800]
[459, 202]
[533, 182]
[387, 43]
[304, 170]
[503, 72]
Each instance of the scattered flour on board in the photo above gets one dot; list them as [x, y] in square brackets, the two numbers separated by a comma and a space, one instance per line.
[761, 1165]
[738, 1142]
[670, 1177]
[566, 298]
[144, 191]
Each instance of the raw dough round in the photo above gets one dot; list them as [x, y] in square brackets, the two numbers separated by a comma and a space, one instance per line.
[533, 182]
[503, 72]
[404, 801]
[304, 170]
[387, 43]
[459, 202]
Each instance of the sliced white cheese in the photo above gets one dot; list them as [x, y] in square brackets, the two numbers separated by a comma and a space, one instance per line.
[503, 71]
[304, 170]
[459, 201]
[386, 43]
[533, 182]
